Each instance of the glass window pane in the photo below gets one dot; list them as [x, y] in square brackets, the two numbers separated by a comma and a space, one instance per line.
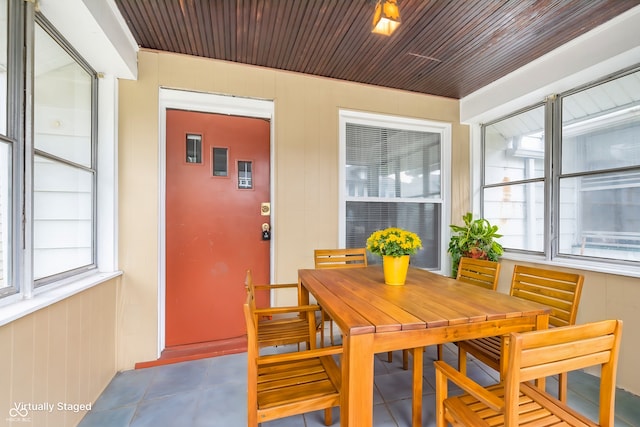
[392, 163]
[194, 149]
[601, 126]
[64, 178]
[514, 148]
[62, 217]
[6, 247]
[4, 64]
[245, 177]
[220, 164]
[424, 219]
[599, 216]
[518, 211]
[62, 102]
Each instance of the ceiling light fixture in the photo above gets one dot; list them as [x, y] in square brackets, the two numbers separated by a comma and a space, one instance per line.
[386, 17]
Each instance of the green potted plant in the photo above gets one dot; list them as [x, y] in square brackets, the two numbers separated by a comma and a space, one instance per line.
[476, 239]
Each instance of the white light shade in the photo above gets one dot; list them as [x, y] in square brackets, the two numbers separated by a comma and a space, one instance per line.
[386, 17]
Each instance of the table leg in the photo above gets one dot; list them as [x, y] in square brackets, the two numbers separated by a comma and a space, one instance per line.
[418, 355]
[356, 408]
[303, 294]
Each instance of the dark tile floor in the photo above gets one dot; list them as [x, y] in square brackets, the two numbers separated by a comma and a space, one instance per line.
[212, 392]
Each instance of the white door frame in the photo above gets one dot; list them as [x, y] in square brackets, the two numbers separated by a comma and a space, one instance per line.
[208, 103]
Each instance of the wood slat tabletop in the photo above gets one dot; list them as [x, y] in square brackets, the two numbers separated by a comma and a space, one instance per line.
[427, 300]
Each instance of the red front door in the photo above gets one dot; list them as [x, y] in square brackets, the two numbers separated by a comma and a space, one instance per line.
[217, 183]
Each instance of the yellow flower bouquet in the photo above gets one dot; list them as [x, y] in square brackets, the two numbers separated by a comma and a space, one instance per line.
[393, 242]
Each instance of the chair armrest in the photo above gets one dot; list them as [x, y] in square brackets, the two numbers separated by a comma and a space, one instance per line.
[299, 355]
[285, 310]
[468, 385]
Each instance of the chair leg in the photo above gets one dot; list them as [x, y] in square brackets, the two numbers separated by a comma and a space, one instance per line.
[328, 417]
[462, 361]
[405, 359]
[440, 351]
[252, 402]
[562, 387]
[321, 327]
[324, 318]
[331, 331]
[390, 357]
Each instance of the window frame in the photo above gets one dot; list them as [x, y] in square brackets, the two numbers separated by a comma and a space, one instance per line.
[552, 176]
[404, 123]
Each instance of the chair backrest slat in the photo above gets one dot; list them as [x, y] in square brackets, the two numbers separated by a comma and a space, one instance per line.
[479, 272]
[340, 258]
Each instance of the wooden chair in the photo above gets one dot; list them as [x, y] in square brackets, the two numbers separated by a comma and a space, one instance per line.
[533, 355]
[558, 290]
[337, 258]
[282, 325]
[479, 272]
[287, 384]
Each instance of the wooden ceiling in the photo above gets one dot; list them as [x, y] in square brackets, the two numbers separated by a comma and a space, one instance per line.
[449, 48]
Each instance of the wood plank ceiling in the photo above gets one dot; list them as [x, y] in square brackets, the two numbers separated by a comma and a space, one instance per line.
[449, 48]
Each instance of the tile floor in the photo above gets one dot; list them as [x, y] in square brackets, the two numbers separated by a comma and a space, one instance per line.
[212, 392]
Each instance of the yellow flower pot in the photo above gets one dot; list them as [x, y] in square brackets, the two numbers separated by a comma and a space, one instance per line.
[395, 269]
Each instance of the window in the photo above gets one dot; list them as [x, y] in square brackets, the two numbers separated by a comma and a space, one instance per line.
[392, 175]
[220, 162]
[245, 177]
[64, 175]
[571, 192]
[513, 193]
[193, 148]
[48, 156]
[599, 179]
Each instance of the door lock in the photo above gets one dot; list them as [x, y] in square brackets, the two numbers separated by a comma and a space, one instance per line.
[266, 231]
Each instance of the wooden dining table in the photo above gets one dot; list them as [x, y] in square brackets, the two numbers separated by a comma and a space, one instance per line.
[429, 309]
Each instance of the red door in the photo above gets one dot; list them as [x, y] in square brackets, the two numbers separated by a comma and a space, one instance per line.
[217, 185]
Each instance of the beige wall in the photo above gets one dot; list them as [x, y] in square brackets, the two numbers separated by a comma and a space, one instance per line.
[62, 353]
[306, 187]
[604, 296]
[305, 202]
